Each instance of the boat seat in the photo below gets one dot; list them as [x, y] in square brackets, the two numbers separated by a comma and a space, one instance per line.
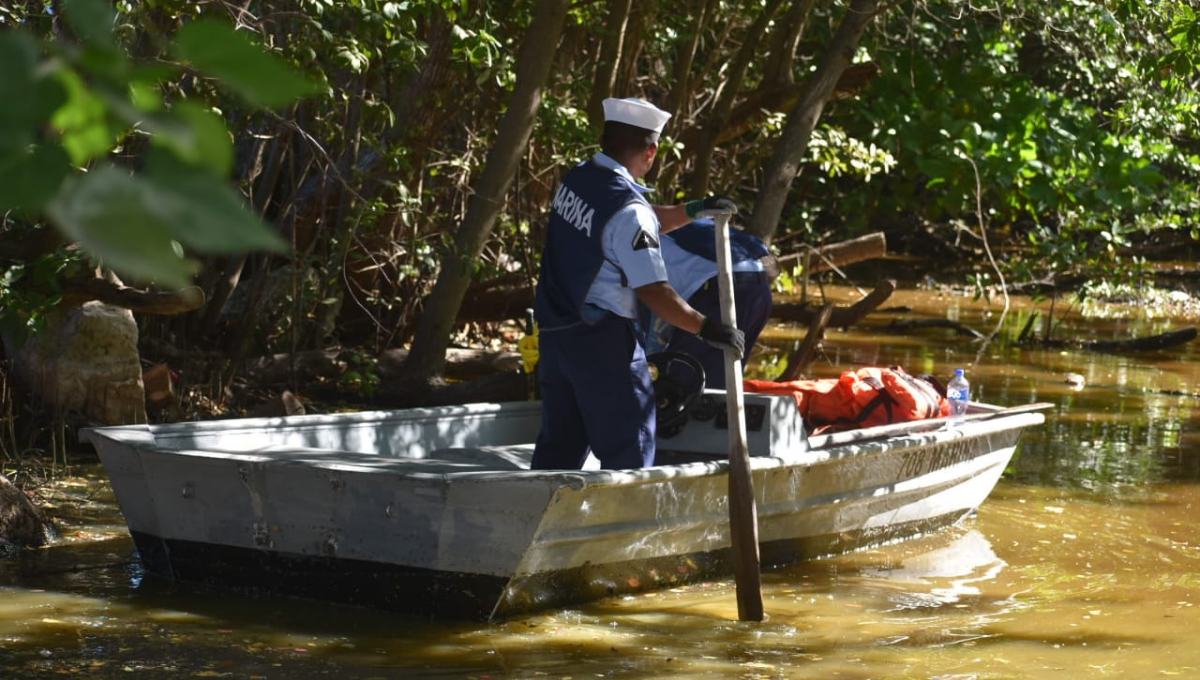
[512, 457]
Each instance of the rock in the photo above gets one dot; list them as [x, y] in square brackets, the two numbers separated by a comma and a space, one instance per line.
[86, 361]
[22, 524]
[159, 385]
[286, 404]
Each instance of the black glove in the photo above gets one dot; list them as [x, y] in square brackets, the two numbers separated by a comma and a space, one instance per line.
[709, 207]
[723, 336]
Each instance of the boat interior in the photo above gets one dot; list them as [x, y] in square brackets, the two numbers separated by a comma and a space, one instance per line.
[482, 437]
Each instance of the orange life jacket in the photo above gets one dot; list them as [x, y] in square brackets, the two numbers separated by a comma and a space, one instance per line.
[862, 398]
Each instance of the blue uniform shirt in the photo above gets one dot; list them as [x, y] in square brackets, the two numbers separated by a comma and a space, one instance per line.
[631, 251]
[601, 243]
[691, 257]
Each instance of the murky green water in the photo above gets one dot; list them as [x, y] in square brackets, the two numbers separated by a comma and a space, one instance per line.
[1084, 563]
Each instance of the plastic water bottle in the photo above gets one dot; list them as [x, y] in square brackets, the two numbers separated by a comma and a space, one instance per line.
[958, 391]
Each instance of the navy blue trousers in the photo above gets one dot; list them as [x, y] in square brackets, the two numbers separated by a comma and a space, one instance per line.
[752, 298]
[596, 392]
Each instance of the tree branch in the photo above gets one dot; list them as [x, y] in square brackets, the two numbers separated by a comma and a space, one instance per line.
[166, 302]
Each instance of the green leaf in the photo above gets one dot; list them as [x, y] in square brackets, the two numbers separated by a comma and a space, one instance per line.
[204, 211]
[135, 224]
[261, 78]
[92, 21]
[110, 65]
[196, 135]
[145, 96]
[29, 179]
[116, 218]
[151, 75]
[83, 121]
[28, 92]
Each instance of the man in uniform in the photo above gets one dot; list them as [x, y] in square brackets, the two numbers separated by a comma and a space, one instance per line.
[690, 254]
[601, 258]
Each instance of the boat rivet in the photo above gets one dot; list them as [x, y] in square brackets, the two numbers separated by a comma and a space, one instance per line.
[262, 536]
[189, 490]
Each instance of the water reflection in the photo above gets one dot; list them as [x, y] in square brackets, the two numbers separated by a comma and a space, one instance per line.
[1084, 563]
[951, 573]
[1042, 581]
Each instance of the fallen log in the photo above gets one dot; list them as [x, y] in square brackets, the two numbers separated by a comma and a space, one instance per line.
[495, 304]
[799, 359]
[1149, 343]
[1153, 342]
[460, 362]
[472, 376]
[839, 317]
[330, 365]
[836, 255]
[166, 302]
[901, 325]
[507, 386]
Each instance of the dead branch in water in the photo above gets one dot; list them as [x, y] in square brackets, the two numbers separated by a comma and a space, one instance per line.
[1146, 344]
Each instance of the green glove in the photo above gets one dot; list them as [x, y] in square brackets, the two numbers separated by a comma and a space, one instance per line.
[710, 206]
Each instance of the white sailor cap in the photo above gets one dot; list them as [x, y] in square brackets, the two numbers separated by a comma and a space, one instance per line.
[635, 112]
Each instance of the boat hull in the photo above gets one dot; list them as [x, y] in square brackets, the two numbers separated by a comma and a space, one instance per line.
[464, 529]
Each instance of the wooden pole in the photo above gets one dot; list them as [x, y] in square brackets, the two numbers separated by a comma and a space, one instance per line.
[743, 517]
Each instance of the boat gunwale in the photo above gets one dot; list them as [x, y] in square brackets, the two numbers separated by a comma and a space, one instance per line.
[573, 477]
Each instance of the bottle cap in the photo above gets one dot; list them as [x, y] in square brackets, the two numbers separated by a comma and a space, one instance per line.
[958, 371]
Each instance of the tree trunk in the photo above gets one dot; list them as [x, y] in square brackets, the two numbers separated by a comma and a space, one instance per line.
[641, 21]
[687, 77]
[419, 104]
[752, 111]
[609, 59]
[684, 58]
[785, 162]
[784, 41]
[428, 355]
[262, 192]
[702, 174]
